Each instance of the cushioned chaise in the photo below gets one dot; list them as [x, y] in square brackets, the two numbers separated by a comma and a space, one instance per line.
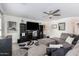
[37, 50]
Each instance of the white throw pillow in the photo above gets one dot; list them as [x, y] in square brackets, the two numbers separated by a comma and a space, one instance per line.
[55, 46]
[69, 40]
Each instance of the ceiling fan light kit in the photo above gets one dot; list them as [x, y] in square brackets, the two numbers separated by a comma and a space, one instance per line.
[50, 16]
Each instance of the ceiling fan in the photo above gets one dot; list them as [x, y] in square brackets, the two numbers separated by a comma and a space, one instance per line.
[52, 13]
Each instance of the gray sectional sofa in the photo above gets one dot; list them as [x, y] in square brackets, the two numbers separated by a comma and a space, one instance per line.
[40, 50]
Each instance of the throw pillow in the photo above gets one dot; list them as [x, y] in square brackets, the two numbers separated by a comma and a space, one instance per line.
[69, 40]
[55, 46]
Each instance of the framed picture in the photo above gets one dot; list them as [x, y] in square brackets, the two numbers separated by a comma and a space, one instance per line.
[54, 26]
[11, 26]
[61, 26]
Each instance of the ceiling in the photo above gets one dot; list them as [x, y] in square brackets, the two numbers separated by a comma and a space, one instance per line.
[35, 10]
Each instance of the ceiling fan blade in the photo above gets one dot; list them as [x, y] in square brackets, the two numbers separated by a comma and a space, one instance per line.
[56, 11]
[45, 12]
[56, 15]
[50, 11]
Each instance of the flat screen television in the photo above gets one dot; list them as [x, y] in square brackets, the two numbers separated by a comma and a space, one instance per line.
[32, 26]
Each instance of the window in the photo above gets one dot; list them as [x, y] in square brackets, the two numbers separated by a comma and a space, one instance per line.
[0, 28]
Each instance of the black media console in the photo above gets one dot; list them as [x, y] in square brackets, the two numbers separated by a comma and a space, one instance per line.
[28, 35]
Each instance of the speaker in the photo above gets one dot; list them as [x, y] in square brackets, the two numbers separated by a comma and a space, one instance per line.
[40, 31]
[22, 27]
[23, 32]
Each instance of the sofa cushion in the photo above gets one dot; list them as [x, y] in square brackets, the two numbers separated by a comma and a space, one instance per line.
[61, 41]
[46, 41]
[58, 40]
[60, 51]
[66, 45]
[37, 50]
[64, 36]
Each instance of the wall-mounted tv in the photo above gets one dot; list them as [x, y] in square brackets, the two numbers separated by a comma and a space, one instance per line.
[32, 26]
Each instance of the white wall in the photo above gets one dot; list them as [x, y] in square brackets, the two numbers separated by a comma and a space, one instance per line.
[76, 27]
[55, 32]
[16, 34]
